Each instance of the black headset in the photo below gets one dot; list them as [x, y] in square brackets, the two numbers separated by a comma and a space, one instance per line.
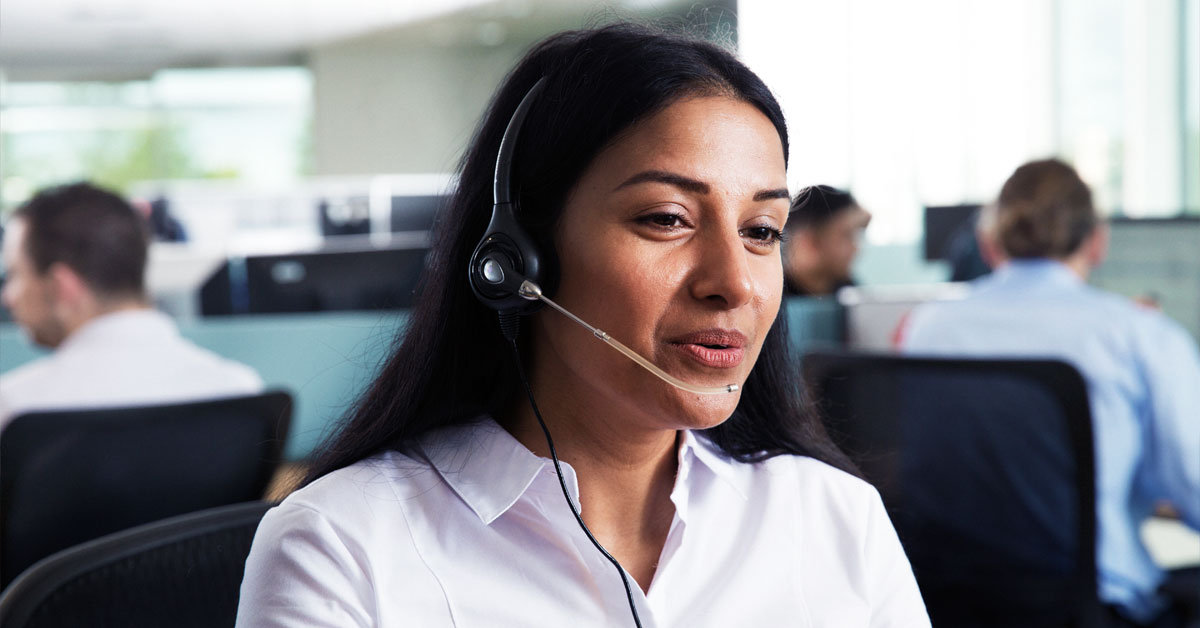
[506, 255]
[506, 258]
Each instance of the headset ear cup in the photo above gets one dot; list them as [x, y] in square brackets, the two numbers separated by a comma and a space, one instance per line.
[506, 255]
[506, 244]
[548, 266]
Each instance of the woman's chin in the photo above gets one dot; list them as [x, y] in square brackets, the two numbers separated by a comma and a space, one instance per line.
[700, 412]
[656, 403]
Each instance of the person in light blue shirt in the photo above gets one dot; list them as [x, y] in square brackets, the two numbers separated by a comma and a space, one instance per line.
[1142, 369]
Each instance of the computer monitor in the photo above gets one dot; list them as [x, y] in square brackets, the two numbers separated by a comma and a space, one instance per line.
[944, 224]
[415, 212]
[1158, 260]
[368, 279]
[349, 215]
[216, 293]
[873, 314]
[333, 279]
[5, 315]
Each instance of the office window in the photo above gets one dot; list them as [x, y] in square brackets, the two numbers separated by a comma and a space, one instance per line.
[935, 102]
[179, 124]
[1190, 25]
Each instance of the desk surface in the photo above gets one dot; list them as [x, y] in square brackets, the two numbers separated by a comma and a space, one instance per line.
[1171, 543]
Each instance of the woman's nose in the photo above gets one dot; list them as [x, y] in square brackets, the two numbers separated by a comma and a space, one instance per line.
[722, 273]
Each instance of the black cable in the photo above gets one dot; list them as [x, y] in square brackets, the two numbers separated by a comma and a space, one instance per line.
[563, 483]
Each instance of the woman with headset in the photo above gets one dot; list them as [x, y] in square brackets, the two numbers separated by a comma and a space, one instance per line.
[510, 467]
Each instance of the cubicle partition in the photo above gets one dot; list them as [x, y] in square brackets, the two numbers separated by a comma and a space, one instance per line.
[324, 359]
[814, 323]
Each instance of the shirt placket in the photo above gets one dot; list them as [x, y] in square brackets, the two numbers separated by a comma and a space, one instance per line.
[605, 579]
[659, 598]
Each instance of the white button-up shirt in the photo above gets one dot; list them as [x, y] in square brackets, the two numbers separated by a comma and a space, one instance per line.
[130, 357]
[472, 529]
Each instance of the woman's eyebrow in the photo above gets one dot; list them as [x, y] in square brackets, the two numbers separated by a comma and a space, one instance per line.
[692, 185]
[768, 195]
[670, 178]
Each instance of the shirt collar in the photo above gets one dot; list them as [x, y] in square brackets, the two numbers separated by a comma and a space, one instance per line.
[490, 470]
[717, 462]
[123, 327]
[483, 464]
[1045, 270]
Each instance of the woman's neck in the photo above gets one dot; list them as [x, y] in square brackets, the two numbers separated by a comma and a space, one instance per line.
[625, 475]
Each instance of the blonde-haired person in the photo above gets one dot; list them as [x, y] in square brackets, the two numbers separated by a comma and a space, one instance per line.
[1142, 369]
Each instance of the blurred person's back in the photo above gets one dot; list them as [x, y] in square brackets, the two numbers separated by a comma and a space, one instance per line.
[1142, 369]
[75, 259]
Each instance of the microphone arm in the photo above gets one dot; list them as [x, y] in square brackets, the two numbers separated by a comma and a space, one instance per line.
[533, 292]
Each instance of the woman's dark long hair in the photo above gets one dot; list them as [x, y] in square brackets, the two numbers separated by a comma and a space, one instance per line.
[451, 364]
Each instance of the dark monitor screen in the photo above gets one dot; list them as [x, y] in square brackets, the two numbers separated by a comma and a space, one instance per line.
[5, 315]
[377, 279]
[344, 216]
[415, 213]
[343, 280]
[216, 293]
[943, 224]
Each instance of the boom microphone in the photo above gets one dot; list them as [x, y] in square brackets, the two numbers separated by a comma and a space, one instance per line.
[533, 292]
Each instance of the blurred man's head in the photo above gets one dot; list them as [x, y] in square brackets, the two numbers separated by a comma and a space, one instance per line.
[1045, 211]
[72, 253]
[824, 229]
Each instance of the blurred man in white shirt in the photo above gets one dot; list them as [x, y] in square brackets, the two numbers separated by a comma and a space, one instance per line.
[75, 259]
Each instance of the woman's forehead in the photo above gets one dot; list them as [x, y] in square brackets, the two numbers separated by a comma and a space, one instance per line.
[715, 139]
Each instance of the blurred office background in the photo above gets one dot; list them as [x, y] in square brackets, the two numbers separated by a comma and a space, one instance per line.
[303, 148]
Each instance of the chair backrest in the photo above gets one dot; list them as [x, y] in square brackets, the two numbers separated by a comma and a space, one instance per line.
[183, 571]
[72, 476]
[986, 469]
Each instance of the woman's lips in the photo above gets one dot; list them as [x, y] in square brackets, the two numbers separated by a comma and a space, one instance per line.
[715, 348]
[728, 357]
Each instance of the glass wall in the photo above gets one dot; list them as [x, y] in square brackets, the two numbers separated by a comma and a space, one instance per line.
[249, 124]
[933, 102]
[1190, 25]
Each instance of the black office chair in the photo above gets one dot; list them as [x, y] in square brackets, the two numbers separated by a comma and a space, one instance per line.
[986, 469]
[183, 571]
[72, 476]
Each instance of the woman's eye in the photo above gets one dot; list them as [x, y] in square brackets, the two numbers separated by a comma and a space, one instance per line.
[762, 234]
[663, 220]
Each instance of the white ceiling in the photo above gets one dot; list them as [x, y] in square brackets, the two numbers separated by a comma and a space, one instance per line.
[80, 39]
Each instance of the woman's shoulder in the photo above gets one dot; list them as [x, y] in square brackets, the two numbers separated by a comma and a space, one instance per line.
[796, 478]
[812, 499]
[316, 555]
[820, 495]
[818, 479]
[368, 493]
